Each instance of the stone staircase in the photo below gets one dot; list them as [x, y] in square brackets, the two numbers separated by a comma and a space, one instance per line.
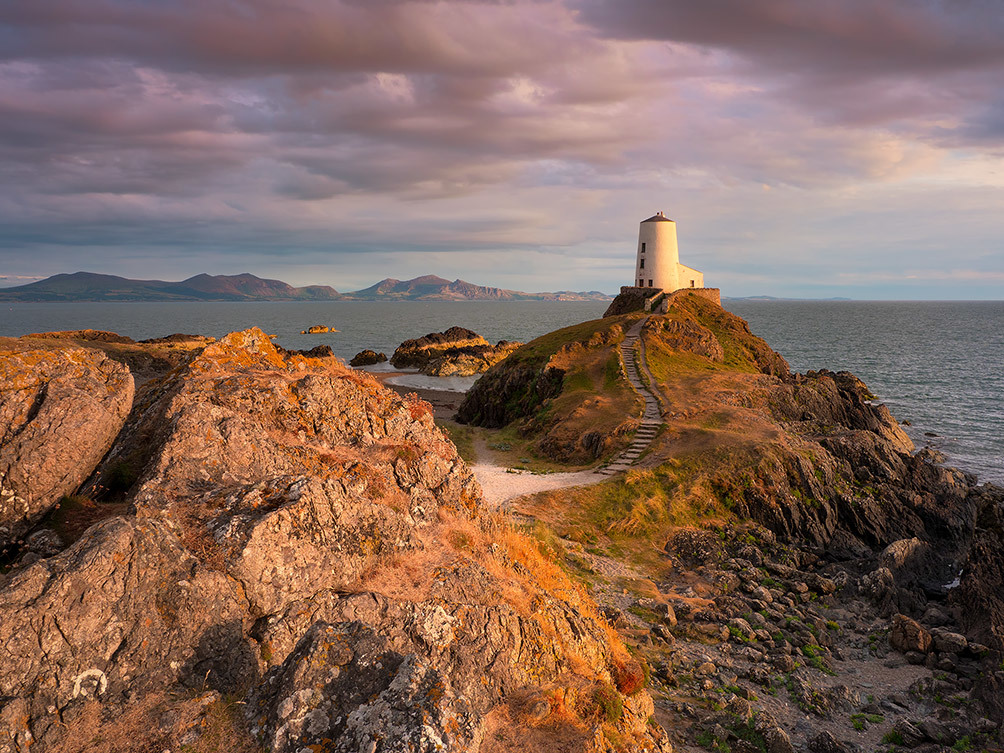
[651, 419]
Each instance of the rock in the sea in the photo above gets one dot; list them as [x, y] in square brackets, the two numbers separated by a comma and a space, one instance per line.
[367, 358]
[60, 411]
[420, 351]
[317, 329]
[470, 360]
[455, 352]
[178, 338]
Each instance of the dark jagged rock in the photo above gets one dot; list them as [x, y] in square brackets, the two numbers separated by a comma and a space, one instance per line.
[508, 395]
[59, 413]
[178, 338]
[88, 335]
[318, 351]
[980, 595]
[367, 358]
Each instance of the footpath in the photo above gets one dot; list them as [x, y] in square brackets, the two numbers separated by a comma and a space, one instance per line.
[501, 484]
[652, 417]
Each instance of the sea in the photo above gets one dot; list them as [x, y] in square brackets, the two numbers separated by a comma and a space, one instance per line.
[938, 365]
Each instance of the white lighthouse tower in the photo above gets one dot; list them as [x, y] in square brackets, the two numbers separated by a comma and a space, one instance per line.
[658, 263]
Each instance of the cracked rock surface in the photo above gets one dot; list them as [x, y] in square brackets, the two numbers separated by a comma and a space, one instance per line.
[60, 411]
[309, 547]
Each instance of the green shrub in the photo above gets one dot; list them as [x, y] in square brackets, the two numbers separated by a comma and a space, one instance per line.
[608, 702]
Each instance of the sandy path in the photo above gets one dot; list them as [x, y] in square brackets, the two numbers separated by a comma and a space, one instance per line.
[501, 486]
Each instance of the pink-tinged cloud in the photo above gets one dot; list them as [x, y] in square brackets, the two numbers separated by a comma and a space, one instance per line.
[279, 130]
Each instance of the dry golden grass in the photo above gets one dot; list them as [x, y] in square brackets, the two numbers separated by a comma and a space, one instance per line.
[159, 722]
[506, 732]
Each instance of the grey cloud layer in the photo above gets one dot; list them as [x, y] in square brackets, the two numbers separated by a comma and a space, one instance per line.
[285, 125]
[858, 62]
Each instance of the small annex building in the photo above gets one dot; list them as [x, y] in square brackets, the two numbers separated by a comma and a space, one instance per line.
[658, 273]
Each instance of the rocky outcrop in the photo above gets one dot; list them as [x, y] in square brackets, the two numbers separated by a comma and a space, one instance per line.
[469, 360]
[318, 351]
[420, 351]
[179, 338]
[317, 329]
[632, 299]
[87, 335]
[509, 394]
[455, 352]
[59, 413]
[686, 335]
[367, 358]
[580, 365]
[979, 597]
[311, 544]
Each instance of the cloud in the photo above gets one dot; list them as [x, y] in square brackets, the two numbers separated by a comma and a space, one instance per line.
[313, 132]
[832, 39]
[903, 64]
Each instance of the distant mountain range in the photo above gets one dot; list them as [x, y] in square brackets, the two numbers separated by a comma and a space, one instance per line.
[432, 288]
[88, 286]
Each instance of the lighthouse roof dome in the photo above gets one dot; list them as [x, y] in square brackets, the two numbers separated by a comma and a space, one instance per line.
[660, 217]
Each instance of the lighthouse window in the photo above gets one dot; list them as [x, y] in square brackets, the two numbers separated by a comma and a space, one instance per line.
[643, 248]
[650, 283]
[641, 264]
[641, 283]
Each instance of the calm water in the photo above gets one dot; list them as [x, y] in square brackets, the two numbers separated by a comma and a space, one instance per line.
[938, 364]
[361, 324]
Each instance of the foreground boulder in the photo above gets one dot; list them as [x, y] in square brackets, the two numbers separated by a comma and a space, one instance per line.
[60, 410]
[310, 544]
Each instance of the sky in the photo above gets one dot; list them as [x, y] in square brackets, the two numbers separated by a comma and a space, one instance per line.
[805, 149]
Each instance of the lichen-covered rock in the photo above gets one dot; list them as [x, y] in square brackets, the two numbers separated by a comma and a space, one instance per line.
[125, 609]
[291, 544]
[348, 686]
[60, 411]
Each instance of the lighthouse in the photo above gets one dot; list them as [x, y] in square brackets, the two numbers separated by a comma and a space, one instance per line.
[659, 278]
[658, 262]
